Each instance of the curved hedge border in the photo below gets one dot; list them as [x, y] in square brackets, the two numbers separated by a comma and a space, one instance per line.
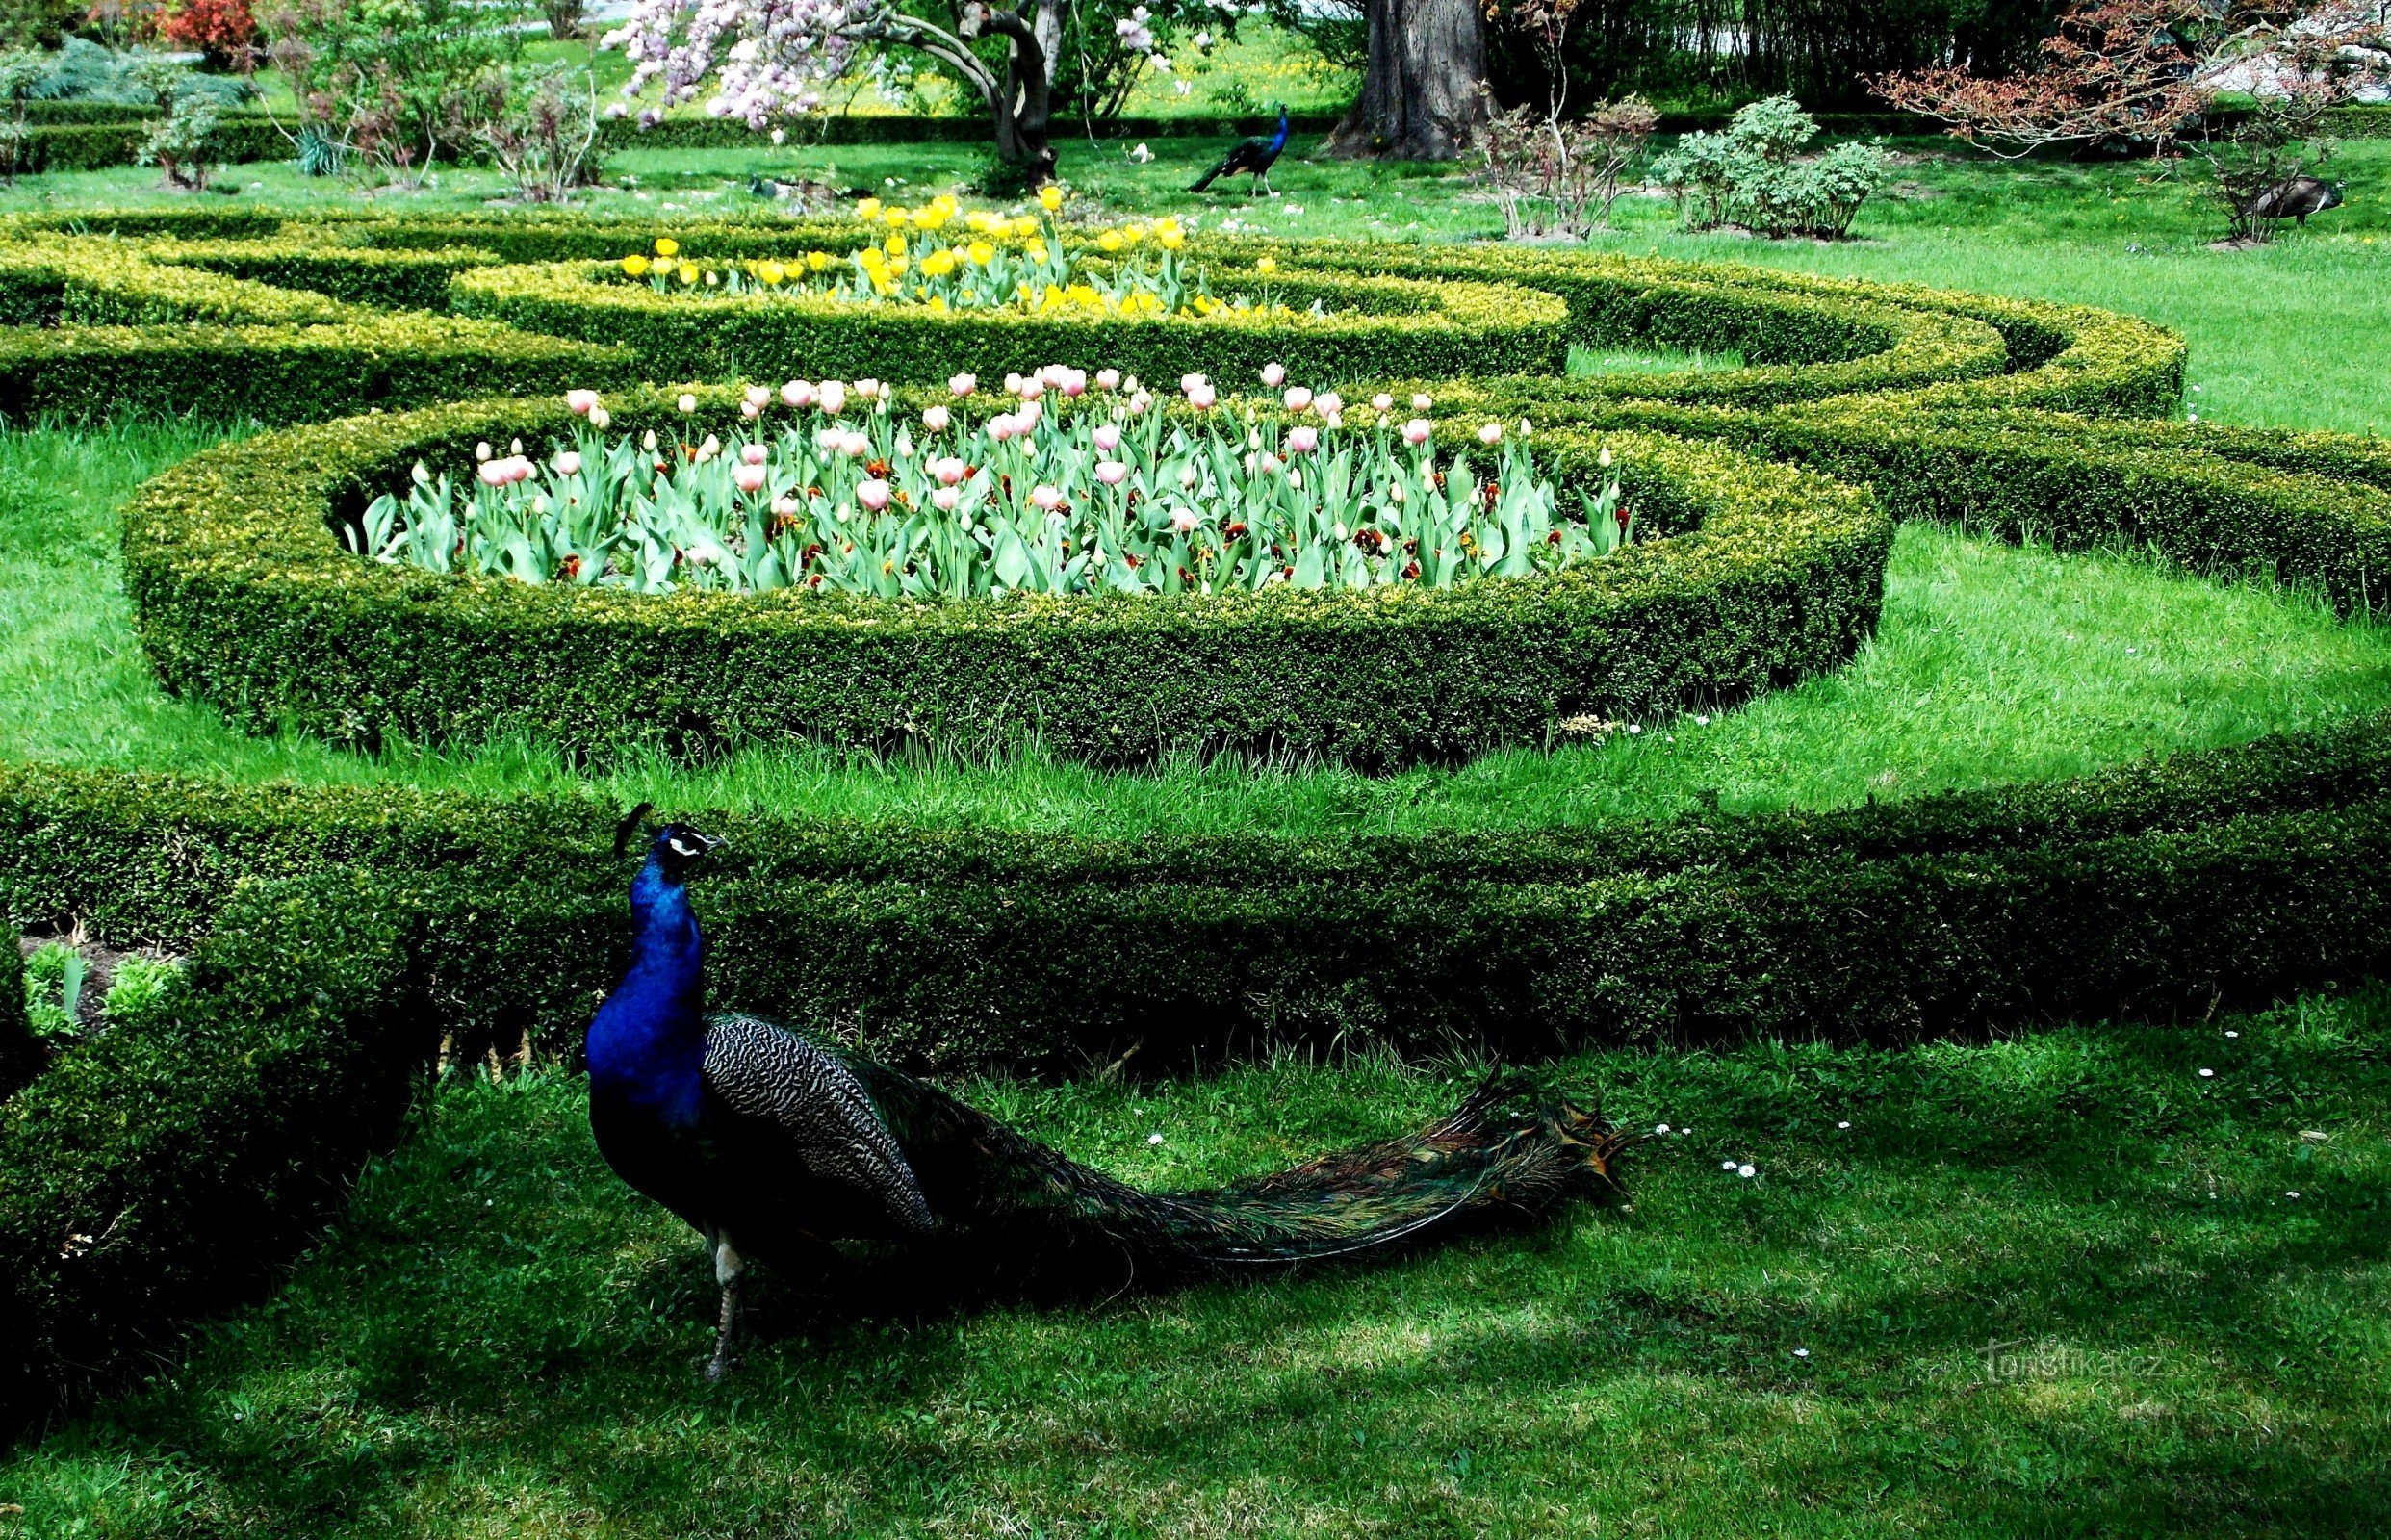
[244, 598]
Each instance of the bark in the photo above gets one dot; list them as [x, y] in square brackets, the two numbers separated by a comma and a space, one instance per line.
[1420, 96]
[1019, 102]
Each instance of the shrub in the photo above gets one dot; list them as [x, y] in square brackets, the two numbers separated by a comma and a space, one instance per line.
[21, 1056]
[222, 30]
[1751, 174]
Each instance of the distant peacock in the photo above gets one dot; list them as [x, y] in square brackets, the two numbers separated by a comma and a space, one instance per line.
[772, 1144]
[1253, 157]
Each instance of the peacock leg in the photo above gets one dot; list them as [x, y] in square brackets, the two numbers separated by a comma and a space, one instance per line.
[730, 1273]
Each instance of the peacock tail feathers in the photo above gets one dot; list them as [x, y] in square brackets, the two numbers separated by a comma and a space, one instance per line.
[1511, 1151]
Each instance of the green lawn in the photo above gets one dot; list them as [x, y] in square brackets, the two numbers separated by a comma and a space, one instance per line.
[2049, 1285]
[2058, 1285]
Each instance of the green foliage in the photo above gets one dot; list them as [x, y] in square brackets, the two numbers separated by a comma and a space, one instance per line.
[22, 1054]
[160, 1168]
[180, 140]
[1750, 174]
[54, 979]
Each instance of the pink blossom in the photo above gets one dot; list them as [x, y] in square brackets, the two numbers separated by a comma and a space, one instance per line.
[936, 418]
[1190, 384]
[1269, 464]
[568, 463]
[518, 469]
[857, 445]
[1332, 419]
[1327, 403]
[1185, 520]
[1112, 473]
[797, 393]
[581, 401]
[872, 493]
[948, 470]
[945, 499]
[1029, 413]
[1031, 388]
[962, 385]
[758, 396]
[1140, 403]
[1382, 402]
[1302, 439]
[750, 410]
[868, 389]
[1003, 426]
[787, 507]
[834, 397]
[1417, 430]
[755, 454]
[750, 477]
[1046, 498]
[709, 448]
[1422, 401]
[1490, 433]
[1273, 376]
[1297, 399]
[492, 472]
[1108, 379]
[1202, 397]
[1107, 436]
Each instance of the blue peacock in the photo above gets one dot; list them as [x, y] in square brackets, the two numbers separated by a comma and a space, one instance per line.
[772, 1144]
[1252, 157]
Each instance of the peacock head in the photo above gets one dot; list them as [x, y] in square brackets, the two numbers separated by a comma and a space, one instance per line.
[675, 849]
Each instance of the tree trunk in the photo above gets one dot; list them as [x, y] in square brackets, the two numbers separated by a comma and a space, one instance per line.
[1020, 104]
[1420, 92]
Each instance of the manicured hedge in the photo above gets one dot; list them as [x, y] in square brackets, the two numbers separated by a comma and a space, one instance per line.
[1373, 328]
[244, 598]
[20, 1053]
[161, 1169]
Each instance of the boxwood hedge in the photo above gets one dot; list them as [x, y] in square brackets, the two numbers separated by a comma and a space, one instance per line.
[244, 598]
[20, 1052]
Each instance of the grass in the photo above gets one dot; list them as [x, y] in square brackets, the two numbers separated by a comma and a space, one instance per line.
[2051, 1285]
[1992, 664]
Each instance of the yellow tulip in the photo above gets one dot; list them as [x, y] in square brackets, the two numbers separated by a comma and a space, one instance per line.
[1110, 240]
[1267, 265]
[772, 273]
[936, 305]
[940, 263]
[1036, 250]
[895, 219]
[688, 272]
[1050, 198]
[981, 253]
[1132, 234]
[1172, 240]
[1024, 227]
[894, 246]
[816, 261]
[636, 265]
[667, 246]
[868, 210]
[897, 266]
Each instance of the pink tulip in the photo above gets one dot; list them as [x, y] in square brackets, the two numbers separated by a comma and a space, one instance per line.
[758, 396]
[1269, 464]
[1327, 403]
[1140, 403]
[1046, 498]
[581, 401]
[787, 507]
[568, 464]
[1031, 388]
[750, 410]
[755, 454]
[833, 397]
[1273, 376]
[1297, 399]
[1202, 397]
[1417, 430]
[1112, 473]
[1108, 379]
[751, 478]
[492, 472]
[1382, 402]
[1190, 384]
[857, 445]
[797, 393]
[936, 418]
[1107, 436]
[1002, 426]
[1421, 402]
[948, 472]
[1074, 383]
[962, 385]
[867, 389]
[1302, 439]
[945, 499]
[872, 493]
[518, 469]
[1029, 414]
[1490, 433]
[1184, 521]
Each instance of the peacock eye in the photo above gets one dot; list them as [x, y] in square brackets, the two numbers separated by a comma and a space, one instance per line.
[682, 847]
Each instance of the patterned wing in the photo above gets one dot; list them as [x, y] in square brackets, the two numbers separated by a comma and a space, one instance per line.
[760, 1069]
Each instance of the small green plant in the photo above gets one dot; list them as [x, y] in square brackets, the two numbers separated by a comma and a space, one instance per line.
[54, 977]
[139, 983]
[1753, 176]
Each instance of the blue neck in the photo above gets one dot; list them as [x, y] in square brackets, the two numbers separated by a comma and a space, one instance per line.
[1279, 140]
[647, 1043]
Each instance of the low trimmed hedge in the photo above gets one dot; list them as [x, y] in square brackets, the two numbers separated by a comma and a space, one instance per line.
[161, 1169]
[244, 598]
[1376, 327]
[20, 1052]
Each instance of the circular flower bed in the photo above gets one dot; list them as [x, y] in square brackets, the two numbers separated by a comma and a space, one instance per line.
[1099, 494]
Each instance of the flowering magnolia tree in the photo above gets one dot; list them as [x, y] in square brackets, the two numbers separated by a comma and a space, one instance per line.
[768, 59]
